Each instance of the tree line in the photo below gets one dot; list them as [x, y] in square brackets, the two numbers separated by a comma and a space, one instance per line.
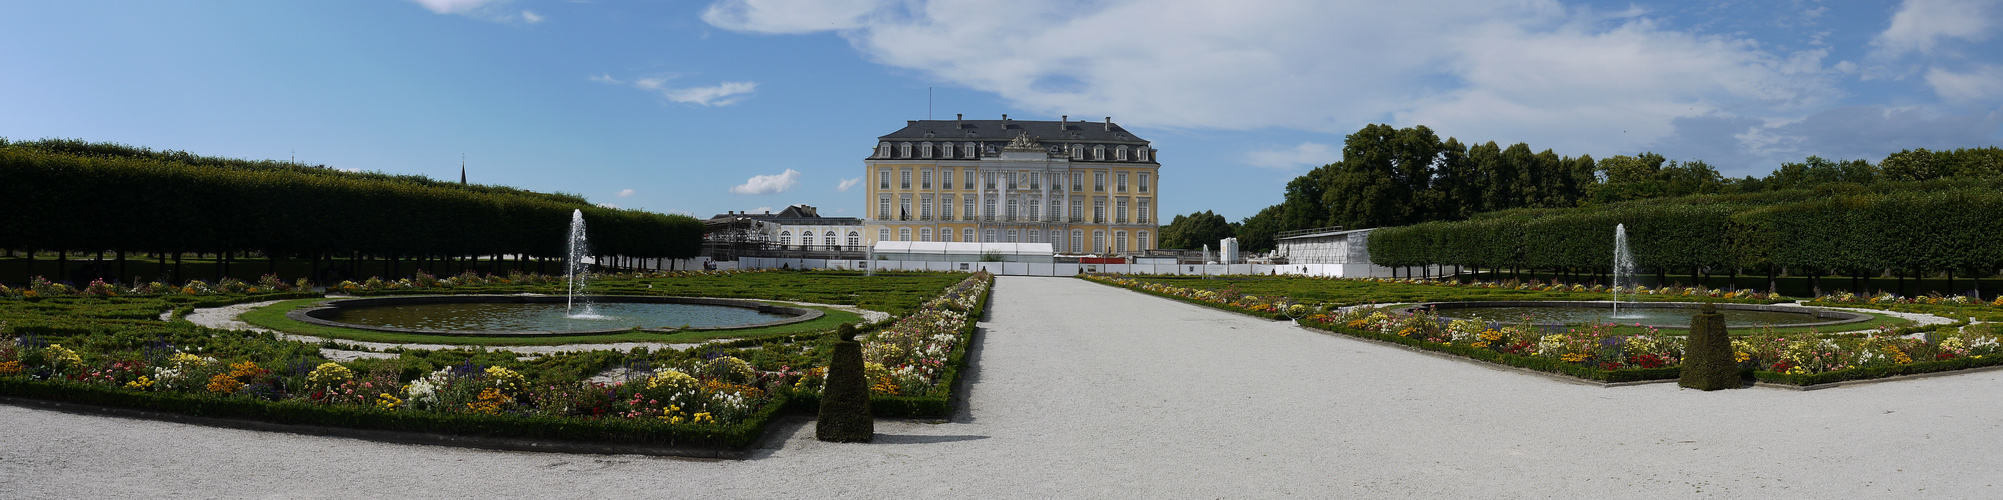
[1390, 176]
[79, 197]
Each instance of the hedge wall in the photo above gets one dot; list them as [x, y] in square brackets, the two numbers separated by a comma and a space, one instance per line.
[141, 203]
[1914, 232]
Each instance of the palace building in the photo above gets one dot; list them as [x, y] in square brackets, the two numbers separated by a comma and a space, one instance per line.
[1083, 187]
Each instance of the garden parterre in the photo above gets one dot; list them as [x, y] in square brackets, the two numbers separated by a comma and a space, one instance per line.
[1601, 352]
[717, 395]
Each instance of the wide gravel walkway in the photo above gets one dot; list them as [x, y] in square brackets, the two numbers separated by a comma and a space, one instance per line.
[1086, 391]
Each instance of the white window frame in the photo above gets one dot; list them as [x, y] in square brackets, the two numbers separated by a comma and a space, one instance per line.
[903, 234]
[924, 234]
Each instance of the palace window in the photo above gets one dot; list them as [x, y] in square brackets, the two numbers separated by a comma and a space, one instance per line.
[926, 150]
[1034, 204]
[967, 235]
[904, 180]
[829, 240]
[1011, 236]
[904, 208]
[883, 207]
[785, 238]
[946, 179]
[1121, 182]
[1098, 213]
[1142, 240]
[970, 179]
[1121, 154]
[1011, 208]
[924, 234]
[1142, 152]
[1120, 242]
[1098, 152]
[883, 234]
[968, 213]
[903, 234]
[1144, 181]
[1077, 241]
[946, 150]
[967, 151]
[883, 179]
[1077, 151]
[988, 210]
[854, 239]
[1120, 211]
[1098, 240]
[1034, 235]
[925, 179]
[1142, 215]
[1099, 181]
[990, 236]
[925, 207]
[904, 150]
[1077, 210]
[883, 150]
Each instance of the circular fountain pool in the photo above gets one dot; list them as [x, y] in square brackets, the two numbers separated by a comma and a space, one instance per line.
[527, 315]
[1655, 314]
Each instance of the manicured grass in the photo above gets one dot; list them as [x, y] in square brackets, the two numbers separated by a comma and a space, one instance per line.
[273, 317]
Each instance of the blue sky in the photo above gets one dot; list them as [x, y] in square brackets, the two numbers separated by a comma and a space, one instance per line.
[706, 106]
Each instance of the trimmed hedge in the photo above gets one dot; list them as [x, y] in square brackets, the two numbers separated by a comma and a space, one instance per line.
[1871, 372]
[1520, 361]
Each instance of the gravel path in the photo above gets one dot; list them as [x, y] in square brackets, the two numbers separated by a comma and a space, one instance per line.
[1083, 390]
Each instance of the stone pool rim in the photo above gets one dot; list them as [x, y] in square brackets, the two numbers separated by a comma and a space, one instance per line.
[1833, 317]
[314, 315]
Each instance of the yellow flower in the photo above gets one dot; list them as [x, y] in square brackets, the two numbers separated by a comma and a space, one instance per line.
[141, 384]
[385, 401]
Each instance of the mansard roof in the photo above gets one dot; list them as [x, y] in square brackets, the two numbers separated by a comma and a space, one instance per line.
[1007, 130]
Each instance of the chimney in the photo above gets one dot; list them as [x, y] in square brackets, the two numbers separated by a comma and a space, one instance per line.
[1109, 124]
[957, 118]
[1063, 123]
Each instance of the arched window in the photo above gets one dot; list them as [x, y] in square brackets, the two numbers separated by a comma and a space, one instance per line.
[904, 150]
[1098, 152]
[883, 150]
[854, 239]
[1077, 151]
[990, 236]
[1120, 241]
[903, 234]
[883, 234]
[1077, 241]
[829, 240]
[924, 234]
[946, 234]
[1098, 240]
[1011, 236]
[926, 150]
[1142, 245]
[1034, 236]
[967, 235]
[785, 238]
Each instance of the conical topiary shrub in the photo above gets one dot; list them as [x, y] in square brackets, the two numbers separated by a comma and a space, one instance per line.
[845, 399]
[1707, 357]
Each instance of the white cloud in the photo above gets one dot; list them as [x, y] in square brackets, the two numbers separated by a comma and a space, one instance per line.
[847, 183]
[1307, 154]
[768, 184]
[1530, 70]
[782, 16]
[531, 17]
[455, 6]
[1983, 82]
[1920, 25]
[625, 192]
[723, 94]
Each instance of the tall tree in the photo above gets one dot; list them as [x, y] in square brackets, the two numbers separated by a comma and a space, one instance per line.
[1195, 230]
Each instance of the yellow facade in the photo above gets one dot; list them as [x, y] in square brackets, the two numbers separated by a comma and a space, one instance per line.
[1083, 193]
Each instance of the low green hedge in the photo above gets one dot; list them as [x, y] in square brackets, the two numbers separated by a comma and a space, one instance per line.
[1871, 372]
[1516, 360]
[605, 430]
[1228, 307]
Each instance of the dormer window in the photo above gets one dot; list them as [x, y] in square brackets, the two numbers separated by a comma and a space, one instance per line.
[926, 150]
[904, 150]
[1121, 154]
[883, 150]
[1077, 152]
[928, 133]
[946, 150]
[967, 150]
[1098, 152]
[1142, 153]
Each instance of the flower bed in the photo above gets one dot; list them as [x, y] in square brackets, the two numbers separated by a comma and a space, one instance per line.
[1229, 299]
[721, 396]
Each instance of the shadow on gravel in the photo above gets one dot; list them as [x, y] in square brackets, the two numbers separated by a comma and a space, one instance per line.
[969, 375]
[917, 439]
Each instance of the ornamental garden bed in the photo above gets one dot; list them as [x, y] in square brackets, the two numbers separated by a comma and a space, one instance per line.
[1607, 353]
[714, 400]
